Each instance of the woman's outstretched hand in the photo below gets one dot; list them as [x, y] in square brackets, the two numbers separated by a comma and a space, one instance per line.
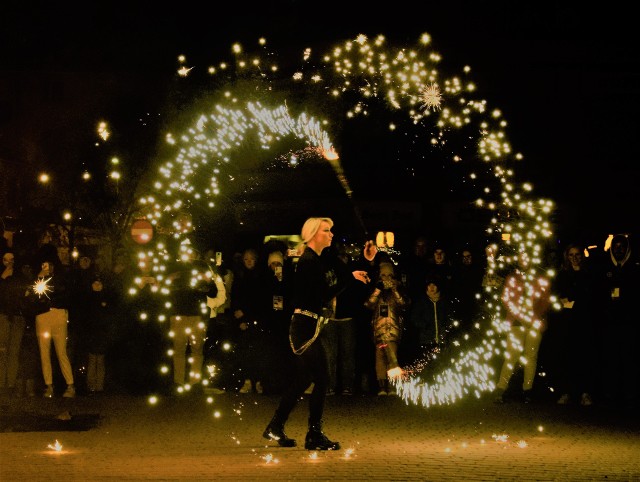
[370, 250]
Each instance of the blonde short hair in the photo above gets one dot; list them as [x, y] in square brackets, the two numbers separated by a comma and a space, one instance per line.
[311, 226]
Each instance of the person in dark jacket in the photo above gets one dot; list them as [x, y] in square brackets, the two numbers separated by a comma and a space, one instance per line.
[248, 319]
[429, 319]
[619, 285]
[141, 342]
[340, 335]
[278, 286]
[191, 283]
[12, 322]
[99, 331]
[467, 273]
[575, 328]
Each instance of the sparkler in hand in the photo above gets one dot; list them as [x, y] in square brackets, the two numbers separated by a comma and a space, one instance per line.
[41, 287]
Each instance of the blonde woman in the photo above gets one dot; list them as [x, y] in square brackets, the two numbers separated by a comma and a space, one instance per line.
[319, 277]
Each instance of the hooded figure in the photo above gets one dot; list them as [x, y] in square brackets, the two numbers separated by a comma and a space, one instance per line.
[620, 250]
[622, 277]
[620, 374]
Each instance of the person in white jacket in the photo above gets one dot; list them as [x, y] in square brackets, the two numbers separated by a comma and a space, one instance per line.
[218, 339]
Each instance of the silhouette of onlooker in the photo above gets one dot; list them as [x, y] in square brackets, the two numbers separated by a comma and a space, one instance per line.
[441, 268]
[526, 300]
[12, 322]
[573, 331]
[277, 311]
[98, 332]
[29, 370]
[81, 278]
[619, 276]
[143, 343]
[47, 251]
[192, 283]
[430, 320]
[246, 307]
[416, 266]
[468, 274]
[339, 337]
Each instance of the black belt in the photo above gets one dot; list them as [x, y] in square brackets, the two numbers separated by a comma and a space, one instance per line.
[311, 314]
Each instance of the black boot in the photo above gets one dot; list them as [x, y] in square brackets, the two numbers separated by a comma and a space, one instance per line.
[317, 440]
[275, 431]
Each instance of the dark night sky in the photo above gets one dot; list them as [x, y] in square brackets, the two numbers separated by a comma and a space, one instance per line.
[566, 76]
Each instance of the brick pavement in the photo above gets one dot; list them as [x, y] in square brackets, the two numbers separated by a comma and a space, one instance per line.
[382, 439]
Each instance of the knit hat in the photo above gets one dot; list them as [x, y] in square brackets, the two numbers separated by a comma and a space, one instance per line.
[433, 278]
[275, 257]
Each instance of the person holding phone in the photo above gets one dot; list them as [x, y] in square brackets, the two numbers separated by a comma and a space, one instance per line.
[318, 279]
[388, 302]
[277, 310]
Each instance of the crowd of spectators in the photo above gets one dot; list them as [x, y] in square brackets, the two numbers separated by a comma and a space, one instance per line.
[233, 335]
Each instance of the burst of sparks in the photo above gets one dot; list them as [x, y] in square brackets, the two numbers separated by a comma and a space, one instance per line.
[393, 253]
[270, 459]
[431, 97]
[42, 287]
[103, 131]
[522, 444]
[502, 438]
[330, 154]
[57, 447]
[184, 71]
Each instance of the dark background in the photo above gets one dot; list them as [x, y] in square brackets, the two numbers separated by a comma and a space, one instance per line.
[564, 75]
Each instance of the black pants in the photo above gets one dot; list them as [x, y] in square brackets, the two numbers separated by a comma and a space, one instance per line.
[310, 366]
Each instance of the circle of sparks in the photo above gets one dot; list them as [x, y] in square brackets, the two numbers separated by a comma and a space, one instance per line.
[356, 74]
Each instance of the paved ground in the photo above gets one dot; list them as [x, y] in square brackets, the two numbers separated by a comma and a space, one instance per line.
[382, 439]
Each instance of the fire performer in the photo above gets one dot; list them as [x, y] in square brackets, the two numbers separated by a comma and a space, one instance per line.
[318, 279]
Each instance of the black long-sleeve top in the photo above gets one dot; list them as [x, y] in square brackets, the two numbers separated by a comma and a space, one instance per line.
[190, 288]
[12, 294]
[319, 279]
